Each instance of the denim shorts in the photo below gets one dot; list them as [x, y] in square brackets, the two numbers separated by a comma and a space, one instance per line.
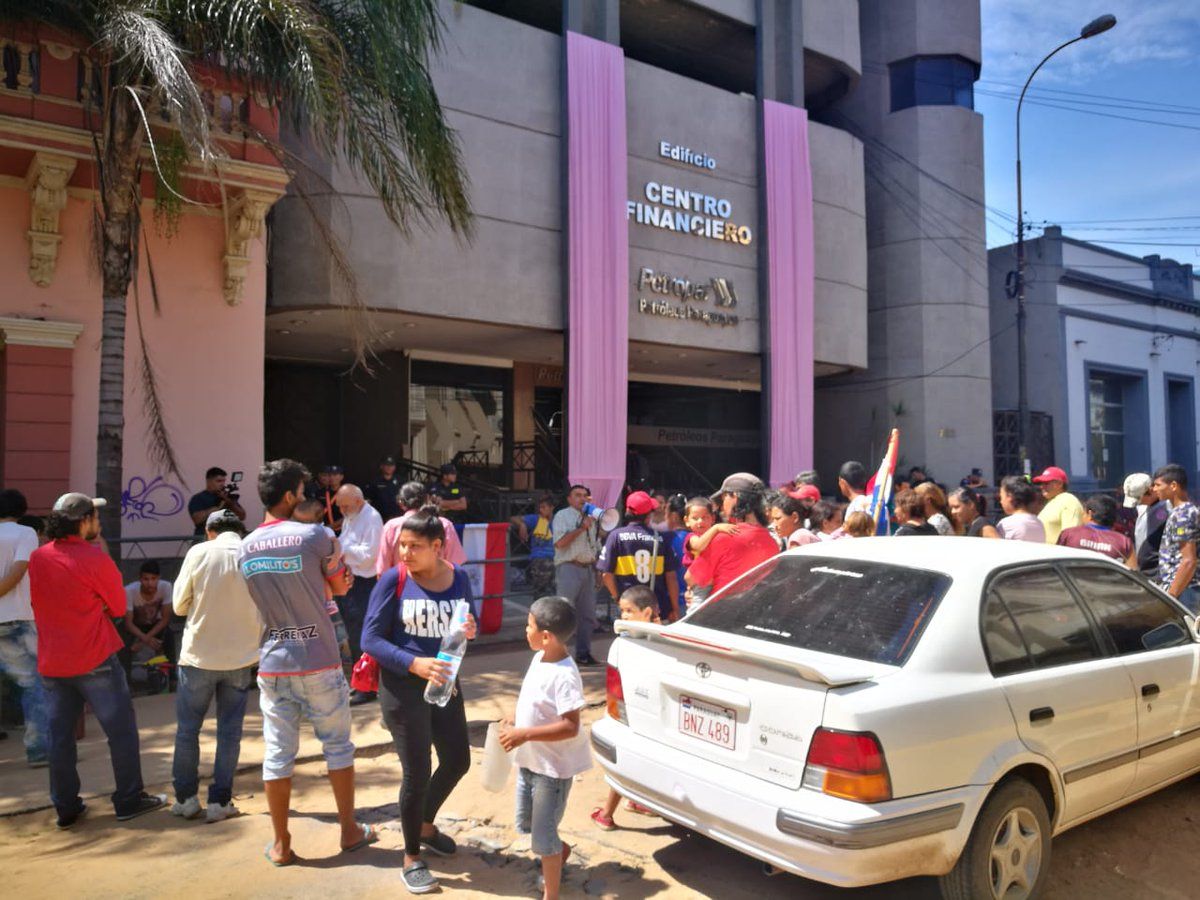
[321, 697]
[541, 802]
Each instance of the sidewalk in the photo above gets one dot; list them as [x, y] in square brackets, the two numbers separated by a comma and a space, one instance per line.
[491, 675]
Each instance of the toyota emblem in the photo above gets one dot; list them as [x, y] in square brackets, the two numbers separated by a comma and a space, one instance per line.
[703, 669]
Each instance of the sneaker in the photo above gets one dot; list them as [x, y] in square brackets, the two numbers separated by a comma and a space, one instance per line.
[218, 812]
[358, 698]
[145, 803]
[418, 879]
[188, 809]
[586, 660]
[603, 822]
[38, 762]
[65, 822]
[441, 844]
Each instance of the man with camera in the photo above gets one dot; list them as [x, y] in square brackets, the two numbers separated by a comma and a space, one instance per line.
[219, 493]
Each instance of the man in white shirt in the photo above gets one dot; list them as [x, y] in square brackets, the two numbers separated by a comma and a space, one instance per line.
[18, 635]
[362, 529]
[217, 656]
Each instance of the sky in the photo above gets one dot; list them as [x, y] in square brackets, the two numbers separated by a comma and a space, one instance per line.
[1095, 174]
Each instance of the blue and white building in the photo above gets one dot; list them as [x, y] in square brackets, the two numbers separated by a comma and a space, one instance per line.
[1114, 351]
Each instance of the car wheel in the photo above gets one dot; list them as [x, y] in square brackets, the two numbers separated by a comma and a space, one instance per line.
[1008, 854]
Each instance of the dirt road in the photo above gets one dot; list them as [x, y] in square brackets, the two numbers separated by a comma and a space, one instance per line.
[1142, 851]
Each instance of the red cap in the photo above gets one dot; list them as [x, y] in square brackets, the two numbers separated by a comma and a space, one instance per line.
[1052, 473]
[640, 503]
[805, 492]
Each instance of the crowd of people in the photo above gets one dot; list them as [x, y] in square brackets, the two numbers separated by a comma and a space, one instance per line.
[290, 607]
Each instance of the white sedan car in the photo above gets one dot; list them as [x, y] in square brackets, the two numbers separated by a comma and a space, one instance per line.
[866, 710]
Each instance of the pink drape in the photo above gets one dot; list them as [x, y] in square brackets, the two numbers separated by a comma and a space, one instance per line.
[598, 262]
[790, 285]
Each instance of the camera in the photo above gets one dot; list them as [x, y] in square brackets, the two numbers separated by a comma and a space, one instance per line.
[232, 486]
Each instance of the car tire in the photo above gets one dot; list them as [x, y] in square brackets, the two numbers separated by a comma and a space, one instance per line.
[1009, 848]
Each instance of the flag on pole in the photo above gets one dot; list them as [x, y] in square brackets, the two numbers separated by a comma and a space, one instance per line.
[880, 486]
[483, 543]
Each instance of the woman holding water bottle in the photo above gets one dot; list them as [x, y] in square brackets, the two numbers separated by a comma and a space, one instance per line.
[417, 608]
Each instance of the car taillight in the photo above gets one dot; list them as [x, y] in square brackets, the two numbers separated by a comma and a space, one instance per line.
[848, 764]
[616, 695]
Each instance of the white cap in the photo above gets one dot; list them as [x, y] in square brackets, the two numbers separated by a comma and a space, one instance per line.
[1135, 487]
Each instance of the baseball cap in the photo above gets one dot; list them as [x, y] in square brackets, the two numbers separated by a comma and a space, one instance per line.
[77, 506]
[805, 492]
[1052, 473]
[449, 469]
[737, 482]
[221, 516]
[333, 469]
[388, 461]
[640, 503]
[1135, 486]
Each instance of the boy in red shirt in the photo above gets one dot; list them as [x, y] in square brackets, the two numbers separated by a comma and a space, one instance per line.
[76, 591]
[1097, 532]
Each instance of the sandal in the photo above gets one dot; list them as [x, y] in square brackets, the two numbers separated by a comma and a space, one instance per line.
[291, 857]
[632, 807]
[369, 836]
[603, 822]
[418, 879]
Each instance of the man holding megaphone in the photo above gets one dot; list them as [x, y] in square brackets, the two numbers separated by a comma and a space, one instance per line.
[576, 546]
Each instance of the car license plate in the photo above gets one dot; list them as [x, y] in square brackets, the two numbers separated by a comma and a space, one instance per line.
[715, 724]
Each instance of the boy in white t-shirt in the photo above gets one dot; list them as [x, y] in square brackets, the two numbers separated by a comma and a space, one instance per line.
[551, 748]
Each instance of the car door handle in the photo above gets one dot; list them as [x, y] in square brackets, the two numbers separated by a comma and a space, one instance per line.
[1149, 690]
[1041, 714]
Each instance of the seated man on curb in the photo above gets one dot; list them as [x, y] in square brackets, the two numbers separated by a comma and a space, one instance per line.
[217, 657]
[286, 565]
[76, 592]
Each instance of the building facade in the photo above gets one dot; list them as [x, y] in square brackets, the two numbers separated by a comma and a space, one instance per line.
[1113, 350]
[473, 336]
[195, 312]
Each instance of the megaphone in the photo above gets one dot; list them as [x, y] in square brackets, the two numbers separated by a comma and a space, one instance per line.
[609, 519]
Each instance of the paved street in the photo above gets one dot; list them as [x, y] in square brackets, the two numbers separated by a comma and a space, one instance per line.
[1142, 851]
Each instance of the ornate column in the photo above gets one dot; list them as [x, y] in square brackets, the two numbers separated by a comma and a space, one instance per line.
[244, 216]
[47, 183]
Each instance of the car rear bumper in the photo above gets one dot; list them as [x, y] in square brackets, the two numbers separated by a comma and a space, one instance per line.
[824, 838]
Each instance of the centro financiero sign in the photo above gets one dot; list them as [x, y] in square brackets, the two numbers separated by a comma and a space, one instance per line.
[673, 208]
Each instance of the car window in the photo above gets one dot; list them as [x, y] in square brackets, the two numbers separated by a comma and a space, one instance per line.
[1047, 620]
[1006, 651]
[862, 610]
[1132, 615]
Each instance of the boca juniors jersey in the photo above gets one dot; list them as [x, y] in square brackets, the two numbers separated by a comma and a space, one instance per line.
[631, 555]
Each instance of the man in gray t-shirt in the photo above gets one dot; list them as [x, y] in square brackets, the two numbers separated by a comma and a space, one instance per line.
[286, 565]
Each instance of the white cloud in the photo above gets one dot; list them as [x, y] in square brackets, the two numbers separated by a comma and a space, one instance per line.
[1017, 33]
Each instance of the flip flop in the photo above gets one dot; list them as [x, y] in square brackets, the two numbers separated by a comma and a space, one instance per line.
[369, 836]
[279, 865]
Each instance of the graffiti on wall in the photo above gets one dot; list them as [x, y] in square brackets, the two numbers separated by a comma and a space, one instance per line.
[153, 500]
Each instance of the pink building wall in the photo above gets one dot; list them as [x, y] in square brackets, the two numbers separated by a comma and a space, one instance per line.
[208, 355]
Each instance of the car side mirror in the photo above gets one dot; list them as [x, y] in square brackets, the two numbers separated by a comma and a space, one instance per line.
[1193, 628]
[1169, 634]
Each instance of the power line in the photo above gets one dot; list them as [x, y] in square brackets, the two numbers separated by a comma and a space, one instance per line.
[1134, 100]
[1088, 112]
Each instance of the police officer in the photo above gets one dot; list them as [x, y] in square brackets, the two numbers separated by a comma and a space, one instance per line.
[382, 492]
[451, 498]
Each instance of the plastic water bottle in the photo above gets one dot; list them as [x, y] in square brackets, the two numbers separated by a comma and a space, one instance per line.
[452, 651]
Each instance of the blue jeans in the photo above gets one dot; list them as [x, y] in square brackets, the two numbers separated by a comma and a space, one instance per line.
[107, 691]
[18, 660]
[354, 611]
[541, 802]
[195, 693]
[321, 697]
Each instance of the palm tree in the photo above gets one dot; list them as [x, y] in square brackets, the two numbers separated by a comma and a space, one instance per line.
[348, 78]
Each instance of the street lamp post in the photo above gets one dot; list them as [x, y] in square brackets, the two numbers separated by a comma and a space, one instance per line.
[1091, 29]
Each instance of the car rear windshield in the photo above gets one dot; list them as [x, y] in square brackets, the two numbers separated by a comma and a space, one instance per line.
[862, 610]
